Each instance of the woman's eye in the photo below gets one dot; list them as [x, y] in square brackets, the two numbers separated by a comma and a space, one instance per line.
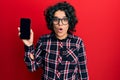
[65, 19]
[55, 19]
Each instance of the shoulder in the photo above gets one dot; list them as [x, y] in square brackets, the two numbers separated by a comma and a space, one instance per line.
[75, 37]
[46, 36]
[78, 41]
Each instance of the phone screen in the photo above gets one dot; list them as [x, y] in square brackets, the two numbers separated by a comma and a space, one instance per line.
[25, 28]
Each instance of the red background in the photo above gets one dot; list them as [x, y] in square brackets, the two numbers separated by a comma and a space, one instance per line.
[99, 27]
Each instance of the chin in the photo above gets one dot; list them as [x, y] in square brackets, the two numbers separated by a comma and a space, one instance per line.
[60, 34]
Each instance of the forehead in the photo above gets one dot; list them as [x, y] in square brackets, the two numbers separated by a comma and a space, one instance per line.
[60, 14]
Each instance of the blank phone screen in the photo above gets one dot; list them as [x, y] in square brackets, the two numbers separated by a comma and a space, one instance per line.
[25, 28]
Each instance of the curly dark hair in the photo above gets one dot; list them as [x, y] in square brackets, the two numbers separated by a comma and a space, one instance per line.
[69, 11]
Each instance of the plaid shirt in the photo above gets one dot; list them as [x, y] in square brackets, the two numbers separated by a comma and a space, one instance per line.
[61, 59]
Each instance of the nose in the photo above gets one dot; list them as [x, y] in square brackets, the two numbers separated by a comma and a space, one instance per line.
[60, 23]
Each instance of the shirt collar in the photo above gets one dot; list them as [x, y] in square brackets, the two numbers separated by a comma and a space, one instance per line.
[70, 36]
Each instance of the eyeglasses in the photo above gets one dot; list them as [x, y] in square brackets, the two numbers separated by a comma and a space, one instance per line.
[64, 21]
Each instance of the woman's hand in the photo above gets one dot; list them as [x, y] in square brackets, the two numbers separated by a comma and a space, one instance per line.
[25, 41]
[28, 42]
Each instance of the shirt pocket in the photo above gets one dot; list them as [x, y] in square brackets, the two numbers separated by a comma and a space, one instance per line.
[70, 54]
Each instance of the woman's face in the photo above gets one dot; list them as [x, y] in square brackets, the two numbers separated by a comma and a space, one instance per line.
[60, 24]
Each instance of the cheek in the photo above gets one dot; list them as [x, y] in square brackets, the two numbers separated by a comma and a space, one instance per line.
[54, 28]
[66, 28]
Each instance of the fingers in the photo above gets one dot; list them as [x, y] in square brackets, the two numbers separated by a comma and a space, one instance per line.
[19, 34]
[31, 35]
[31, 31]
[18, 28]
[19, 31]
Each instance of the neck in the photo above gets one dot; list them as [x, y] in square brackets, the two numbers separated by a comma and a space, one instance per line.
[61, 37]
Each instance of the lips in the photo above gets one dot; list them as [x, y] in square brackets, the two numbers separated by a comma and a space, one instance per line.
[60, 30]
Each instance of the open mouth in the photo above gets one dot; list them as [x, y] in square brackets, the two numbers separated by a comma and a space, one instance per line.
[60, 29]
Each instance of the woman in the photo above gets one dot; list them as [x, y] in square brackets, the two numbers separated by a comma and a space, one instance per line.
[60, 53]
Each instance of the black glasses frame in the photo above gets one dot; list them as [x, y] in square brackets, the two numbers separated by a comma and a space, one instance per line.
[62, 20]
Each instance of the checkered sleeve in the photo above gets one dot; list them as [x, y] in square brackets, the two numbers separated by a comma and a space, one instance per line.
[37, 62]
[82, 66]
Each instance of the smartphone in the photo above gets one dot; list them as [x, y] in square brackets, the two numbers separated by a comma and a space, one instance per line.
[25, 28]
